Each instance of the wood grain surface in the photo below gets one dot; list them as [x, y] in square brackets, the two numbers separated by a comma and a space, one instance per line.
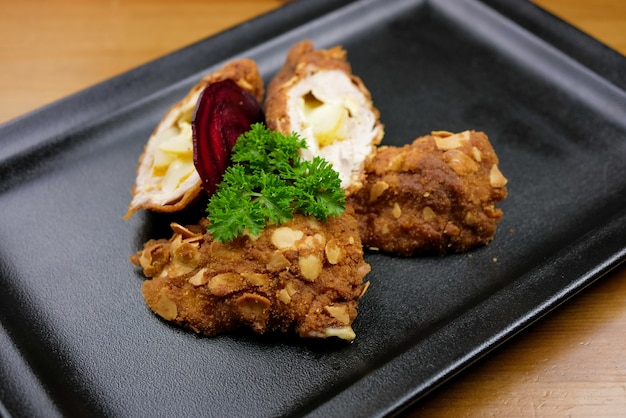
[572, 363]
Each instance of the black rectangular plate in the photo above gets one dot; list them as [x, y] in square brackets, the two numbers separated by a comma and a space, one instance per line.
[76, 337]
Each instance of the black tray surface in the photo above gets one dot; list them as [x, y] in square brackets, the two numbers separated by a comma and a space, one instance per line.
[76, 338]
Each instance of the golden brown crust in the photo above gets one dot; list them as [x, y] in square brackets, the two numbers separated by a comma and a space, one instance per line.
[436, 195]
[245, 73]
[303, 58]
[304, 275]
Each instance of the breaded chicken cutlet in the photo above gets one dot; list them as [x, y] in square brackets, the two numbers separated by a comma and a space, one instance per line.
[436, 195]
[304, 275]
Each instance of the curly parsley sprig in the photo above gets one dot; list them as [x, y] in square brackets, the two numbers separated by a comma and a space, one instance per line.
[269, 182]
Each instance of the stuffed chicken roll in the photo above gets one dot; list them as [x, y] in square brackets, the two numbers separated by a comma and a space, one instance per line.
[316, 95]
[167, 180]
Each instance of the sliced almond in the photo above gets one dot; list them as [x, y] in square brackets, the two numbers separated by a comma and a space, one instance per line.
[366, 286]
[396, 162]
[363, 269]
[256, 279]
[311, 242]
[186, 253]
[184, 232]
[396, 211]
[253, 307]
[165, 307]
[442, 134]
[461, 163]
[154, 258]
[291, 288]
[339, 312]
[478, 156]
[470, 219]
[313, 223]
[428, 214]
[453, 141]
[345, 333]
[496, 179]
[186, 257]
[334, 252]
[310, 267]
[451, 230]
[377, 190]
[277, 262]
[283, 296]
[225, 283]
[285, 237]
[199, 278]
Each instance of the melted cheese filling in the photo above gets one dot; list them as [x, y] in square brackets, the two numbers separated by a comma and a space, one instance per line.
[173, 156]
[335, 119]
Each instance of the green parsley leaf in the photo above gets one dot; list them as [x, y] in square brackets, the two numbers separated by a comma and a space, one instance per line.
[268, 183]
[318, 189]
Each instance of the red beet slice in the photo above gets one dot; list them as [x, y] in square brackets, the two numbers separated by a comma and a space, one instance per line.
[223, 112]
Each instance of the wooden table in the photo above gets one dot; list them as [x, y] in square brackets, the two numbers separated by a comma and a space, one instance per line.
[572, 363]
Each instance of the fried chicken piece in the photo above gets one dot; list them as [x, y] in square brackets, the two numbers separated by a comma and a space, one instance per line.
[436, 195]
[316, 95]
[167, 180]
[304, 275]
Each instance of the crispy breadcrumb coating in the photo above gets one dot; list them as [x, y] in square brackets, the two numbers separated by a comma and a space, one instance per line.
[436, 195]
[304, 275]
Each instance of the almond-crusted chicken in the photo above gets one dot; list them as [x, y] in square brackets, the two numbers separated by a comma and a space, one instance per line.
[436, 195]
[303, 275]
